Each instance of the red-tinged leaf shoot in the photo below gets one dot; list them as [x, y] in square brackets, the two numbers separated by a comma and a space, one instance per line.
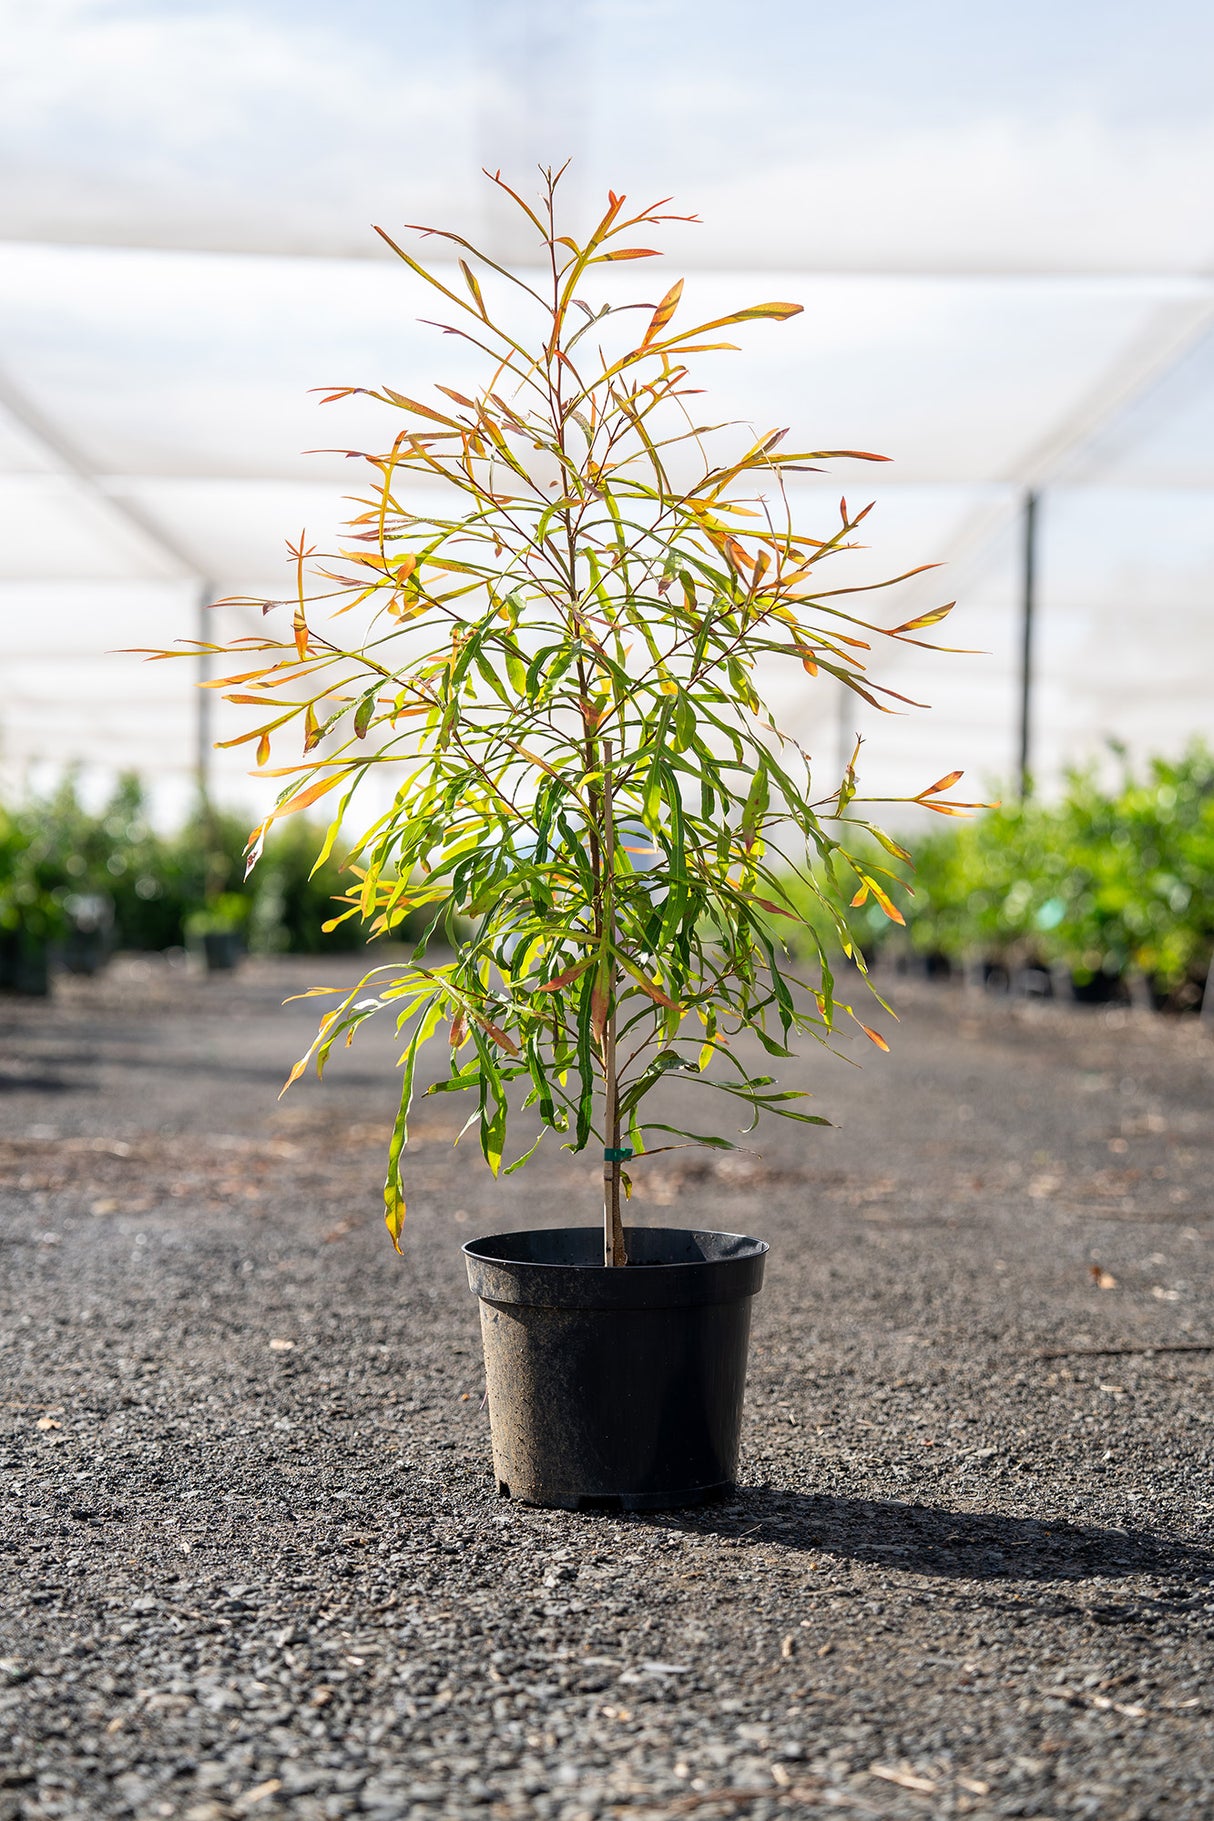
[566, 978]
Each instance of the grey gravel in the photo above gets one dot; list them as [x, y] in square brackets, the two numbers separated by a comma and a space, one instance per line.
[253, 1559]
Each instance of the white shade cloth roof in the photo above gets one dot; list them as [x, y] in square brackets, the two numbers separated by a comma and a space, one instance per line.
[1000, 229]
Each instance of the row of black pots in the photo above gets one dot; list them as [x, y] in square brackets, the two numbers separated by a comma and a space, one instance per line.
[1036, 979]
[27, 963]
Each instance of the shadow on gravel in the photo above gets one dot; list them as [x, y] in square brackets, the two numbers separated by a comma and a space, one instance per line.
[12, 1083]
[928, 1539]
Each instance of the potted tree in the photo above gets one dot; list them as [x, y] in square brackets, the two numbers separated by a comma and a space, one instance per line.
[216, 931]
[32, 915]
[562, 605]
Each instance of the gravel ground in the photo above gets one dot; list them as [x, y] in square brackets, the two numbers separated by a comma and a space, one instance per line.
[255, 1564]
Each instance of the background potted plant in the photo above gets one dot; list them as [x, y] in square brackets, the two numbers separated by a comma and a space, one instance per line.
[217, 931]
[562, 606]
[33, 917]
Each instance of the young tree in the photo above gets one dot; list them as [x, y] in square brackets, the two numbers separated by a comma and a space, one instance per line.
[563, 603]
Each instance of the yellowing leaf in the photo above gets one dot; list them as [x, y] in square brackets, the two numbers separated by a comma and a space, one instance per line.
[411, 404]
[873, 1036]
[300, 629]
[473, 286]
[394, 1213]
[263, 749]
[778, 312]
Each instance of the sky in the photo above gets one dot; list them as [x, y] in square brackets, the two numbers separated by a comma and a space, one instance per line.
[999, 221]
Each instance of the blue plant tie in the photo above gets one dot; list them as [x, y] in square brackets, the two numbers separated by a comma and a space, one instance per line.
[616, 1154]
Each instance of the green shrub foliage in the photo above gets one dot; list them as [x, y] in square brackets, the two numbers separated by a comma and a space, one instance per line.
[1105, 881]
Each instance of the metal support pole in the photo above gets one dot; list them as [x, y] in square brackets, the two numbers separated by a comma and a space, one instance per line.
[1028, 609]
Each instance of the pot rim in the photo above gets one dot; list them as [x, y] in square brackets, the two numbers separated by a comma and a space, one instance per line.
[580, 1279]
[746, 1248]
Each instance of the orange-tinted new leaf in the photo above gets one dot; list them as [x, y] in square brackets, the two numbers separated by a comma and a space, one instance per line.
[305, 798]
[663, 313]
[887, 904]
[927, 619]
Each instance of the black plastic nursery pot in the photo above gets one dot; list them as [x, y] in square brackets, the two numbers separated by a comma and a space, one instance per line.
[615, 1387]
[24, 964]
[1100, 987]
[222, 950]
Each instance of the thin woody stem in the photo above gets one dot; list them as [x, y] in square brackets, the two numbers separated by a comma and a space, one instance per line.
[613, 1225]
